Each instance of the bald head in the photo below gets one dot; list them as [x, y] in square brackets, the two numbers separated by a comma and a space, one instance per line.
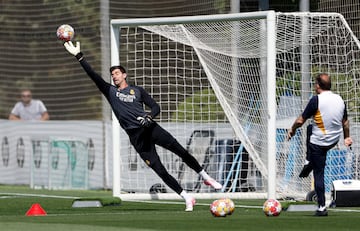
[324, 81]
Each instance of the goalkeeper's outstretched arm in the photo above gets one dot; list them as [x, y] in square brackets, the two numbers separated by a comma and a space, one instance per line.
[99, 81]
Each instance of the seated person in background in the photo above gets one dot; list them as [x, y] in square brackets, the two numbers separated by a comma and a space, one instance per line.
[28, 108]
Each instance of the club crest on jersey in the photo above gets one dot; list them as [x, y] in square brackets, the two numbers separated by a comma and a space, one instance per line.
[132, 92]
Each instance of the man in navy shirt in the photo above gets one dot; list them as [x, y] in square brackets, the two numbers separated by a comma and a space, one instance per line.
[144, 133]
[329, 115]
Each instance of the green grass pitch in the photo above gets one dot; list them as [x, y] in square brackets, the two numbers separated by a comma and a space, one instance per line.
[157, 215]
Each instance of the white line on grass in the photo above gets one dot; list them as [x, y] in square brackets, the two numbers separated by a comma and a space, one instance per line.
[35, 195]
[180, 203]
[345, 210]
[237, 206]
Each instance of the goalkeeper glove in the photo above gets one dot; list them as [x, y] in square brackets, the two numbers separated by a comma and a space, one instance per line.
[74, 50]
[145, 121]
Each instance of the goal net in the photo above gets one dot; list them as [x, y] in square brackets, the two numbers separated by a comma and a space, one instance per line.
[229, 87]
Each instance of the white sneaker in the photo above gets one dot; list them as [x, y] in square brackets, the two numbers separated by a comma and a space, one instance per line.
[190, 204]
[213, 183]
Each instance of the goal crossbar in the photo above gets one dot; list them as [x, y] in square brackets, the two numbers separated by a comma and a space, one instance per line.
[188, 19]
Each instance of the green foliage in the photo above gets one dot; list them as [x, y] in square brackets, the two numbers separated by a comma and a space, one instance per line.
[345, 85]
[289, 84]
[94, 104]
[220, 6]
[42, 64]
[202, 106]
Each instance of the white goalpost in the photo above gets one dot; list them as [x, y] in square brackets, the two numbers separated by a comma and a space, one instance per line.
[229, 87]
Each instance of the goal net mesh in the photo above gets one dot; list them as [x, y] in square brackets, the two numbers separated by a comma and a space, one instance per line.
[210, 80]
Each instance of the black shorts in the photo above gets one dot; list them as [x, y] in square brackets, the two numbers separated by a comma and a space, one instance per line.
[145, 139]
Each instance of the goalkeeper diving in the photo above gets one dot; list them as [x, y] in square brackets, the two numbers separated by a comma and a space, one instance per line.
[127, 101]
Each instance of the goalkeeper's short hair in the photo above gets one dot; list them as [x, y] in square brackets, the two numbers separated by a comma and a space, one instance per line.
[121, 68]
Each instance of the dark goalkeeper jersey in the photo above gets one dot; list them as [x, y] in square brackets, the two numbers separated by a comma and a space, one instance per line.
[128, 103]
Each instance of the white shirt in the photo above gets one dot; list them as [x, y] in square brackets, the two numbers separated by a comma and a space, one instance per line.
[32, 111]
[328, 111]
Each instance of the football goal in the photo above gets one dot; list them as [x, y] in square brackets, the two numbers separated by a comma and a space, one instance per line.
[229, 87]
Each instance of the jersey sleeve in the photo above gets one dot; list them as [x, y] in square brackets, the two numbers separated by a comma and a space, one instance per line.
[311, 108]
[15, 110]
[102, 85]
[150, 102]
[42, 107]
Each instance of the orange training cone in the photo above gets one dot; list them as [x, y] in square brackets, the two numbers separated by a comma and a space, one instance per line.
[36, 210]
